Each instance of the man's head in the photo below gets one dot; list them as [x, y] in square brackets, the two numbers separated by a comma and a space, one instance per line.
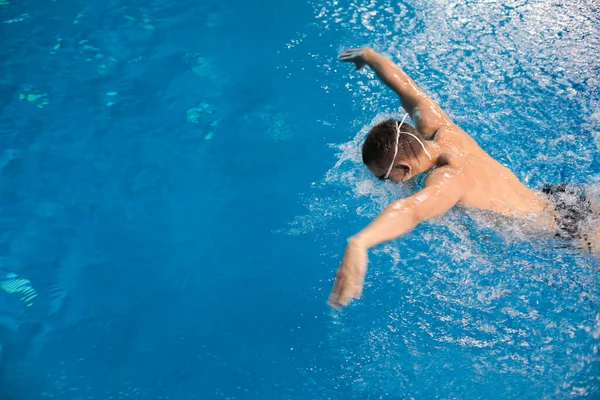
[380, 146]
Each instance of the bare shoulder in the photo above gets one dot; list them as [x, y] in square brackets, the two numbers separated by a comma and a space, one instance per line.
[445, 173]
[450, 128]
[447, 178]
[443, 190]
[454, 134]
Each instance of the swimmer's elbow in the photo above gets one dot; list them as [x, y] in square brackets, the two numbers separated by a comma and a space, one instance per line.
[418, 216]
[414, 217]
[405, 211]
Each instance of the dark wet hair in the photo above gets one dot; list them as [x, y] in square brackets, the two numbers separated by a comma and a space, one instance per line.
[378, 148]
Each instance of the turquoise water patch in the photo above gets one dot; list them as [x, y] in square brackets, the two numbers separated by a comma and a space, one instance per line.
[105, 63]
[206, 69]
[268, 120]
[143, 20]
[201, 112]
[205, 114]
[40, 100]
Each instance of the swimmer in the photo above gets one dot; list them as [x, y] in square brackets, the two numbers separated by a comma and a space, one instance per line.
[458, 172]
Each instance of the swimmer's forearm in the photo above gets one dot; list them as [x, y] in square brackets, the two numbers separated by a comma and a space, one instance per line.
[396, 220]
[396, 79]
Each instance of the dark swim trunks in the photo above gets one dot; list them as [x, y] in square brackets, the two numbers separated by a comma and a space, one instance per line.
[572, 209]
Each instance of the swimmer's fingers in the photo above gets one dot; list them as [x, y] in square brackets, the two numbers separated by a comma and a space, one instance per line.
[350, 275]
[355, 56]
[358, 63]
[357, 292]
[344, 291]
[349, 293]
[362, 53]
[336, 292]
[352, 57]
[354, 51]
[351, 54]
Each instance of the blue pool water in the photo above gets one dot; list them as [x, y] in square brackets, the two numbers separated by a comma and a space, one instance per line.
[177, 180]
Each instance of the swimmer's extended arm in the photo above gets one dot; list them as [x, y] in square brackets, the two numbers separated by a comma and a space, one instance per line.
[426, 113]
[442, 191]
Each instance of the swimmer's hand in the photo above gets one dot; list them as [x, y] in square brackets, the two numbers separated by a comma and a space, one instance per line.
[360, 57]
[350, 275]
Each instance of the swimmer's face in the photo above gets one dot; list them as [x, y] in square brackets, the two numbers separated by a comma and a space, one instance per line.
[400, 172]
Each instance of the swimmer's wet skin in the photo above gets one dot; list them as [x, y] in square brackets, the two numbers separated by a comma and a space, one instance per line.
[459, 172]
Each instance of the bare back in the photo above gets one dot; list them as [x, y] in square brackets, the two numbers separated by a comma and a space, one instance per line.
[484, 182]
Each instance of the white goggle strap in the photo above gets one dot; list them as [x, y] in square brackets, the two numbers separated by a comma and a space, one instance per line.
[398, 132]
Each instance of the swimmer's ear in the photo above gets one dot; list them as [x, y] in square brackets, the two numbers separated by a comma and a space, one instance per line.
[407, 172]
[406, 169]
